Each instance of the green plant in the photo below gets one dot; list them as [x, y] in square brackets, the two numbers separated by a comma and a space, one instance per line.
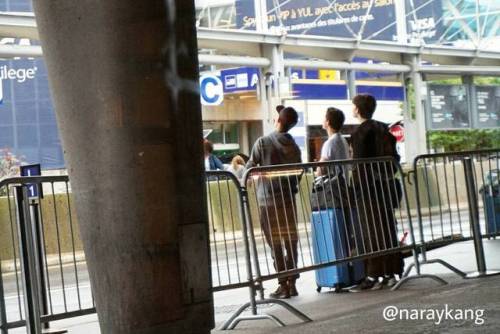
[463, 140]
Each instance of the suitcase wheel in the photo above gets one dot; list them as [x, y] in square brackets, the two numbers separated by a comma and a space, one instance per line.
[318, 289]
[338, 288]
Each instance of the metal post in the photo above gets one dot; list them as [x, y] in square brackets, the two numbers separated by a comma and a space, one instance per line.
[474, 220]
[260, 7]
[351, 83]
[27, 243]
[248, 258]
[468, 81]
[402, 32]
[40, 252]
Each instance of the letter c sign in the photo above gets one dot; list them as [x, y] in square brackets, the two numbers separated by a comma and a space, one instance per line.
[211, 90]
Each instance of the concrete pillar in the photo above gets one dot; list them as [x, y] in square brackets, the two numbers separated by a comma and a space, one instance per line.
[415, 127]
[244, 142]
[351, 83]
[274, 75]
[124, 79]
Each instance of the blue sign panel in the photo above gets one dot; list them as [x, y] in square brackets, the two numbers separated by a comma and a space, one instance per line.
[28, 125]
[240, 79]
[32, 170]
[341, 18]
[384, 93]
[319, 91]
[424, 20]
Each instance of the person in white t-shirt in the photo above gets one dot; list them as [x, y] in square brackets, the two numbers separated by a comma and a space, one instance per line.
[336, 147]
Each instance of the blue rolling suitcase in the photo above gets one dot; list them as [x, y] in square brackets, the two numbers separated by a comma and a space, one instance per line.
[329, 243]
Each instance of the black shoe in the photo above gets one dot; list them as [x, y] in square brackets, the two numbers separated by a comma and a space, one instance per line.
[282, 292]
[293, 289]
[365, 285]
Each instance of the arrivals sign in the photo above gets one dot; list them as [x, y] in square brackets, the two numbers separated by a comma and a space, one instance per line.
[341, 18]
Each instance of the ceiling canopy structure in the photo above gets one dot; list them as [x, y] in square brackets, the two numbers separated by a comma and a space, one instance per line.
[451, 35]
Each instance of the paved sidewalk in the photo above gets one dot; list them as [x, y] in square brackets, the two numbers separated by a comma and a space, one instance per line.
[363, 312]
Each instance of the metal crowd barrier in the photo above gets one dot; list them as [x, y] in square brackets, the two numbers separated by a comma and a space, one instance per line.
[366, 198]
[42, 263]
[230, 238]
[458, 199]
[276, 223]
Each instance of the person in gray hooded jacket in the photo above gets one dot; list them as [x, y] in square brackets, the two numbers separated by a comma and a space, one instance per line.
[276, 198]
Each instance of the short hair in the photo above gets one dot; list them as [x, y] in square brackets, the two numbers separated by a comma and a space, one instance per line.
[279, 108]
[366, 105]
[208, 146]
[288, 117]
[335, 118]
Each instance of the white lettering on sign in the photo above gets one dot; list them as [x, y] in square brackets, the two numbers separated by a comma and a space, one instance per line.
[20, 74]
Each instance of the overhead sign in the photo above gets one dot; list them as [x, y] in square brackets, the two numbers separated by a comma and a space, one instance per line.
[240, 79]
[211, 90]
[32, 170]
[448, 107]
[488, 106]
[424, 20]
[340, 18]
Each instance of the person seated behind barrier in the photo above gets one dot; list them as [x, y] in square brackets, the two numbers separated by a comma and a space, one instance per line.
[336, 147]
[276, 198]
[375, 210]
[237, 167]
[211, 161]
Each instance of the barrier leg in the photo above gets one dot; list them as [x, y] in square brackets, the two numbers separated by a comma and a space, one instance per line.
[3, 312]
[474, 219]
[414, 277]
[236, 318]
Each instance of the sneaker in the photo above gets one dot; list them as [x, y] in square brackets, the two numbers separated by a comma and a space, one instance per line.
[293, 289]
[282, 292]
[379, 285]
[391, 282]
[365, 285]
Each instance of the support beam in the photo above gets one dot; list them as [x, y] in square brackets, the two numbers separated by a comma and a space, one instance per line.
[339, 65]
[233, 60]
[460, 69]
[124, 81]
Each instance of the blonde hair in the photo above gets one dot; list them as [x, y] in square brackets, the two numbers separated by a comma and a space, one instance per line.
[237, 160]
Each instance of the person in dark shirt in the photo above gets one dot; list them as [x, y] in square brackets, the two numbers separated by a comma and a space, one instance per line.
[373, 188]
[276, 198]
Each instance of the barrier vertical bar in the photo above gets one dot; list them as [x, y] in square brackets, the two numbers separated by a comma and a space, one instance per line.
[3, 311]
[474, 220]
[27, 243]
[41, 256]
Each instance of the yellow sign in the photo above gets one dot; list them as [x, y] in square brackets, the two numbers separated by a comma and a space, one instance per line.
[328, 75]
